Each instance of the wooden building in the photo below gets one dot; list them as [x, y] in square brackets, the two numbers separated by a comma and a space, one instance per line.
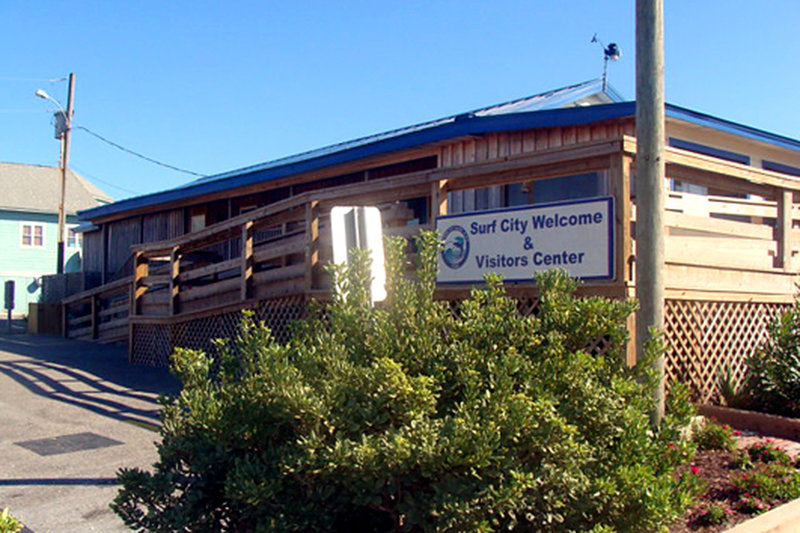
[179, 265]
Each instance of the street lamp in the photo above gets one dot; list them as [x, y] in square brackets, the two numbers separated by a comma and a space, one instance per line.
[62, 132]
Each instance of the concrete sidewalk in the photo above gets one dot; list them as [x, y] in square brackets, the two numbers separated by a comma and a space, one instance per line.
[71, 415]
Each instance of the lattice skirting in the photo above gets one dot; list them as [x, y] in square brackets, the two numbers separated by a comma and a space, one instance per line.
[153, 343]
[704, 339]
[708, 339]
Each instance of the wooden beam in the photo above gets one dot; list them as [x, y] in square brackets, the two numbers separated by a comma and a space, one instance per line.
[730, 171]
[312, 243]
[246, 278]
[293, 245]
[706, 178]
[620, 188]
[438, 205]
[109, 288]
[529, 173]
[140, 271]
[95, 318]
[174, 280]
[208, 270]
[783, 230]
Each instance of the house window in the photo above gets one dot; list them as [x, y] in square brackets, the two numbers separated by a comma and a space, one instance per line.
[32, 235]
[74, 239]
[197, 219]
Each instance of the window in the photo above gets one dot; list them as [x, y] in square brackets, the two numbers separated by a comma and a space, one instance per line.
[197, 219]
[709, 150]
[74, 239]
[569, 187]
[32, 235]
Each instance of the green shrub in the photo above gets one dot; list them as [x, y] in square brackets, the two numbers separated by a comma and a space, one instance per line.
[772, 482]
[773, 379]
[767, 452]
[9, 524]
[714, 436]
[411, 418]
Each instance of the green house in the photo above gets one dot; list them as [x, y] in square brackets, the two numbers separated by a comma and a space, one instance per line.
[29, 199]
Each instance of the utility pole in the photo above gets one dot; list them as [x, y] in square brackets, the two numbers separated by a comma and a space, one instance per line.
[650, 182]
[64, 162]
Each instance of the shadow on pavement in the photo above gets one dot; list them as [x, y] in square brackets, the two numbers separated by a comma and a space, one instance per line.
[92, 376]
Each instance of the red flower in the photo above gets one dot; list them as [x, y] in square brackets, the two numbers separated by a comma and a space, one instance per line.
[695, 470]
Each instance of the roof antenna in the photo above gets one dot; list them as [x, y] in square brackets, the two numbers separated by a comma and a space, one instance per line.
[611, 52]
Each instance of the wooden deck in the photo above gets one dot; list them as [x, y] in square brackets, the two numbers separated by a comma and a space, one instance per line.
[727, 251]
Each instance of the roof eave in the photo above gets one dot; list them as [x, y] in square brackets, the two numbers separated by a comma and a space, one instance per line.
[457, 128]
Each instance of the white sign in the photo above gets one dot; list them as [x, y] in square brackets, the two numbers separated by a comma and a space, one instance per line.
[577, 236]
[360, 227]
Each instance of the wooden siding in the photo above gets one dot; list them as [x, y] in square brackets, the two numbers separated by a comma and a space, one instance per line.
[93, 251]
[121, 235]
[162, 226]
[514, 143]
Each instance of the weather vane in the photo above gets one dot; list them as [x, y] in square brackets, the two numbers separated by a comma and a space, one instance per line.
[611, 52]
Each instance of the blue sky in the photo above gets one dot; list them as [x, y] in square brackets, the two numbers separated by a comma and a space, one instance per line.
[212, 86]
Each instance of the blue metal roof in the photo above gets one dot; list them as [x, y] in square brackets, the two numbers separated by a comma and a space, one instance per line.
[548, 109]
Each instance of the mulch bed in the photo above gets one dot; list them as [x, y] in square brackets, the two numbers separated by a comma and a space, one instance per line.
[715, 468]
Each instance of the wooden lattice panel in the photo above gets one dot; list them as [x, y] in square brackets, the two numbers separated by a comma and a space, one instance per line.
[153, 343]
[706, 339]
[279, 313]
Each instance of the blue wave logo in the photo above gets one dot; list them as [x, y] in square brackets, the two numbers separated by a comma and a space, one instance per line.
[456, 247]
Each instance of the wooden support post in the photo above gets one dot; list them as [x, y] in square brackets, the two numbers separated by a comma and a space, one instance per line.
[783, 230]
[141, 270]
[174, 281]
[620, 185]
[312, 242]
[95, 316]
[438, 199]
[65, 321]
[620, 188]
[246, 281]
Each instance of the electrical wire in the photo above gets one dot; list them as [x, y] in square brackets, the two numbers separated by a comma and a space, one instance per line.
[53, 80]
[137, 154]
[94, 178]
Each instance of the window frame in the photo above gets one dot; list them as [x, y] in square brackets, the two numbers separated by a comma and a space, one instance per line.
[32, 235]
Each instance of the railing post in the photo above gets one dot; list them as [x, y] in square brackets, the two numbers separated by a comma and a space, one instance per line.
[65, 321]
[312, 242]
[783, 229]
[620, 188]
[174, 280]
[246, 286]
[141, 270]
[438, 200]
[95, 317]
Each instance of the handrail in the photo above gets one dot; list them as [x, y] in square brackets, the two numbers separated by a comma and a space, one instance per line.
[102, 289]
[728, 170]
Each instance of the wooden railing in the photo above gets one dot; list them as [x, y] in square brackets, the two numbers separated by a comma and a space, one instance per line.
[99, 314]
[715, 245]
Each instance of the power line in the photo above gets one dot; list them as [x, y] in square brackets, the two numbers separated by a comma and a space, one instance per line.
[137, 154]
[52, 80]
[104, 182]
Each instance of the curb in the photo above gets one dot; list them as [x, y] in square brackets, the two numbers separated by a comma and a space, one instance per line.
[782, 519]
[772, 425]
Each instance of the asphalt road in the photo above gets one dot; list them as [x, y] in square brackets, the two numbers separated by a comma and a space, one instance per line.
[71, 415]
